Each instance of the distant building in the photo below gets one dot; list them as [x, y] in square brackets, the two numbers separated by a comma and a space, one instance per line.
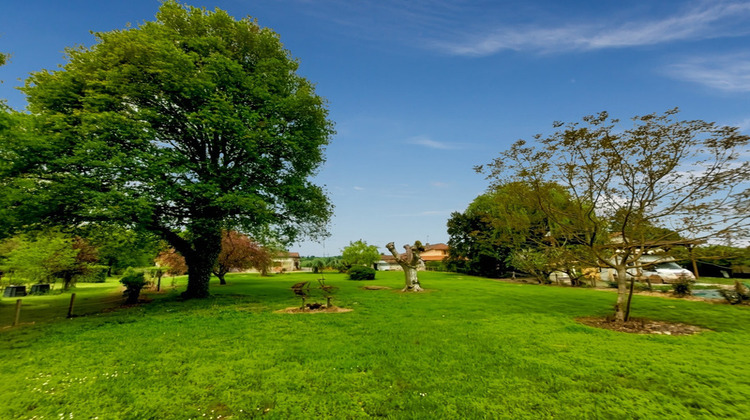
[282, 262]
[434, 252]
[387, 263]
[286, 261]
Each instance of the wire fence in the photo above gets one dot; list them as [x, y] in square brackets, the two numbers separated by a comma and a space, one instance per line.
[29, 310]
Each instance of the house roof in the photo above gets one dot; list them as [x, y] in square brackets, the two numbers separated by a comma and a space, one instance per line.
[439, 247]
[388, 258]
[287, 255]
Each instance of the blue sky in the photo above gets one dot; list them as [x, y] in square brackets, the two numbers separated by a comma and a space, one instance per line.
[422, 91]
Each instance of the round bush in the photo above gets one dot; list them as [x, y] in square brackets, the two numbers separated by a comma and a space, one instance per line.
[361, 273]
[133, 281]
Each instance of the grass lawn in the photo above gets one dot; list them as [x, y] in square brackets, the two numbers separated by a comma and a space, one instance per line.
[721, 280]
[467, 348]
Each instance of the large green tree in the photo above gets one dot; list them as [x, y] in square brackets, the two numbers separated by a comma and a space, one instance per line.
[653, 184]
[359, 253]
[501, 228]
[183, 126]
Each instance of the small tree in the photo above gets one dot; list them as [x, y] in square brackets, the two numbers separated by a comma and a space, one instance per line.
[238, 252]
[317, 265]
[261, 259]
[172, 261]
[133, 281]
[45, 256]
[359, 253]
[688, 177]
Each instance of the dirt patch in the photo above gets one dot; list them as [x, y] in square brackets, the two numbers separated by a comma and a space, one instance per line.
[642, 326]
[376, 288]
[321, 310]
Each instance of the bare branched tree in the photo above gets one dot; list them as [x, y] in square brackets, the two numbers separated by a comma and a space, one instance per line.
[659, 184]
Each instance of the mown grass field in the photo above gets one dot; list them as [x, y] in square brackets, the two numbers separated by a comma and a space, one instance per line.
[468, 348]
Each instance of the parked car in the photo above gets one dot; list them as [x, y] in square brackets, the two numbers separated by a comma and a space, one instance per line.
[653, 265]
[669, 271]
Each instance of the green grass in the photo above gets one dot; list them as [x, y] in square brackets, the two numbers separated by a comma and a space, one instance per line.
[90, 298]
[468, 348]
[721, 280]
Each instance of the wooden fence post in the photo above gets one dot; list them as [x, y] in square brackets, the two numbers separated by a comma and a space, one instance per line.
[70, 308]
[18, 312]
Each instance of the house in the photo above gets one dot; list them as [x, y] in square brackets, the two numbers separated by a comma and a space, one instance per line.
[286, 261]
[387, 263]
[434, 252]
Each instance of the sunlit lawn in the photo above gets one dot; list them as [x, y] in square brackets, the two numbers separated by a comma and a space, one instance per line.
[468, 348]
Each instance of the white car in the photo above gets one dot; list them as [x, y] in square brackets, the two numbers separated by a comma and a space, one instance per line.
[669, 271]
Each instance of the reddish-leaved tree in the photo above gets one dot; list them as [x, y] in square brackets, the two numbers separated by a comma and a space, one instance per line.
[172, 261]
[238, 252]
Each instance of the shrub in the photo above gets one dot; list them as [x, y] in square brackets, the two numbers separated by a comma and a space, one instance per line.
[435, 266]
[94, 274]
[361, 273]
[133, 281]
[740, 294]
[683, 287]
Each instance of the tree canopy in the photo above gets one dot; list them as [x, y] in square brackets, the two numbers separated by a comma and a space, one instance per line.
[655, 184]
[239, 252]
[505, 221]
[192, 123]
[359, 253]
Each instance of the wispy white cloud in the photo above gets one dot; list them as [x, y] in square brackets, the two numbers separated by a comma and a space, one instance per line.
[743, 125]
[729, 72]
[428, 142]
[357, 188]
[708, 19]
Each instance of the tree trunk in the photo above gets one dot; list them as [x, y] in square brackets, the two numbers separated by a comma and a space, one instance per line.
[622, 294]
[201, 259]
[695, 264]
[409, 264]
[630, 299]
[412, 281]
[199, 275]
[221, 273]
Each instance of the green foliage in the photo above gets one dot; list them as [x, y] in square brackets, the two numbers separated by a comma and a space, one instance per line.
[316, 264]
[435, 266]
[473, 250]
[633, 182]
[507, 220]
[133, 281]
[94, 274]
[538, 263]
[40, 257]
[196, 121]
[359, 253]
[361, 273]
[338, 264]
[320, 264]
[120, 248]
[683, 286]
